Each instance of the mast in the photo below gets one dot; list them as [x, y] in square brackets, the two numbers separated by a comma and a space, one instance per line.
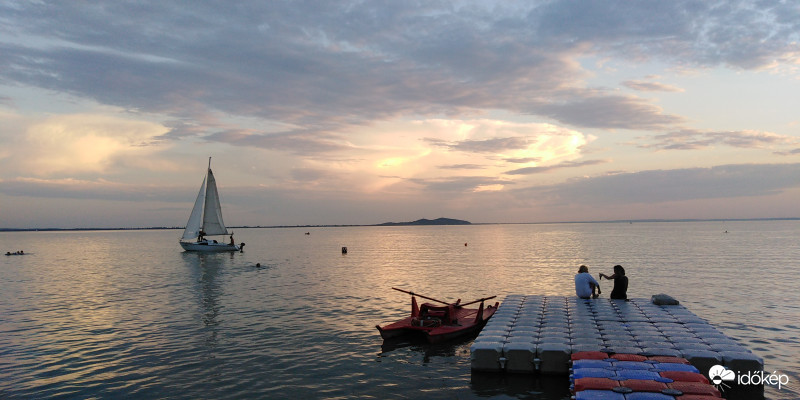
[205, 195]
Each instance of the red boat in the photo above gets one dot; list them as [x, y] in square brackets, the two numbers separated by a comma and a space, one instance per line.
[440, 323]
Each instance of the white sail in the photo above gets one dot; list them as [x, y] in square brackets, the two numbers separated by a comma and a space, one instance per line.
[212, 217]
[195, 223]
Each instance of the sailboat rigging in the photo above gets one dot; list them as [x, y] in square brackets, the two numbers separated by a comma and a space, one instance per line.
[206, 220]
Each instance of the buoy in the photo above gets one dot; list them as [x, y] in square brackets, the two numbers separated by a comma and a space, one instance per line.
[344, 250]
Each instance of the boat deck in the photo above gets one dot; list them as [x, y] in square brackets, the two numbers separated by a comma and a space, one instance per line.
[464, 321]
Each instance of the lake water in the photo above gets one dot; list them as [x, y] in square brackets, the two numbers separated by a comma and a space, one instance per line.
[112, 314]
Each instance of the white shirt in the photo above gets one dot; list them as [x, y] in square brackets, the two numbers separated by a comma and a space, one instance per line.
[582, 287]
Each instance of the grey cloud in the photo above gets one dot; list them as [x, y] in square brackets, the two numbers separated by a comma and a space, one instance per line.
[458, 184]
[657, 186]
[326, 66]
[681, 140]
[495, 145]
[745, 34]
[611, 21]
[462, 166]
[788, 153]
[179, 129]
[568, 164]
[613, 112]
[645, 86]
[96, 190]
[295, 142]
[523, 160]
[690, 139]
[750, 139]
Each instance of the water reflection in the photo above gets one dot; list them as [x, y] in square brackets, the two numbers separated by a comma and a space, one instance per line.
[540, 387]
[109, 321]
[428, 351]
[204, 270]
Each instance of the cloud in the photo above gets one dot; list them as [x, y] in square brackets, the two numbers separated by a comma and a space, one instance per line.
[7, 101]
[459, 184]
[331, 97]
[743, 34]
[524, 160]
[612, 22]
[494, 145]
[182, 129]
[610, 112]
[295, 142]
[645, 86]
[329, 67]
[79, 143]
[788, 153]
[509, 142]
[93, 190]
[566, 164]
[659, 186]
[690, 139]
[462, 166]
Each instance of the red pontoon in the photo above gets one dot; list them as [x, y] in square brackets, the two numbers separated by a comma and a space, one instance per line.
[439, 323]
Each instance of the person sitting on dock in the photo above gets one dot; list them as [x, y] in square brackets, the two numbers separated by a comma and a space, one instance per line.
[585, 284]
[620, 290]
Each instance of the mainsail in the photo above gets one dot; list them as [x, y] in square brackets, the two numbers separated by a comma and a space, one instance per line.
[212, 217]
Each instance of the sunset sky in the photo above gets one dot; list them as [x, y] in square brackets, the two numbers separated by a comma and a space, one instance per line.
[350, 112]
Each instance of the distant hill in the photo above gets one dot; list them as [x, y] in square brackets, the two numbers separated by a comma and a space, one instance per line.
[437, 221]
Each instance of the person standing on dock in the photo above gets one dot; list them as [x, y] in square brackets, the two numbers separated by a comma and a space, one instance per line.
[585, 284]
[620, 290]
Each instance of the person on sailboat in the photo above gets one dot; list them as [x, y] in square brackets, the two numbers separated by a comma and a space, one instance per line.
[232, 242]
[201, 235]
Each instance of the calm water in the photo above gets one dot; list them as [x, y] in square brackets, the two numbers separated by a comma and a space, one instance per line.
[128, 314]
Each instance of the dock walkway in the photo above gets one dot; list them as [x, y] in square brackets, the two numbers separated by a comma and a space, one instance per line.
[542, 334]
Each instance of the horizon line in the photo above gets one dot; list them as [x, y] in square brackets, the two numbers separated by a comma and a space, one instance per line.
[51, 229]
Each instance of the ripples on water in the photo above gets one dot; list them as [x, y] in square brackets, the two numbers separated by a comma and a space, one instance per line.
[128, 314]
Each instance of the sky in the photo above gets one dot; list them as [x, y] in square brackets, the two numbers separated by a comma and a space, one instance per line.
[362, 112]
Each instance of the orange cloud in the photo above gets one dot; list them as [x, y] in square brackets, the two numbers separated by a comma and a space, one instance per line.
[75, 143]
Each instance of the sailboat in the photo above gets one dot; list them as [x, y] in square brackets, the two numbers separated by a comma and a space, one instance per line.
[206, 220]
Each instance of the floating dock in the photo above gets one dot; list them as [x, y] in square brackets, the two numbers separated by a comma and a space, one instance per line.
[554, 334]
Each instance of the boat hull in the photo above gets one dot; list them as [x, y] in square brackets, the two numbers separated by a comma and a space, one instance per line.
[208, 246]
[466, 325]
